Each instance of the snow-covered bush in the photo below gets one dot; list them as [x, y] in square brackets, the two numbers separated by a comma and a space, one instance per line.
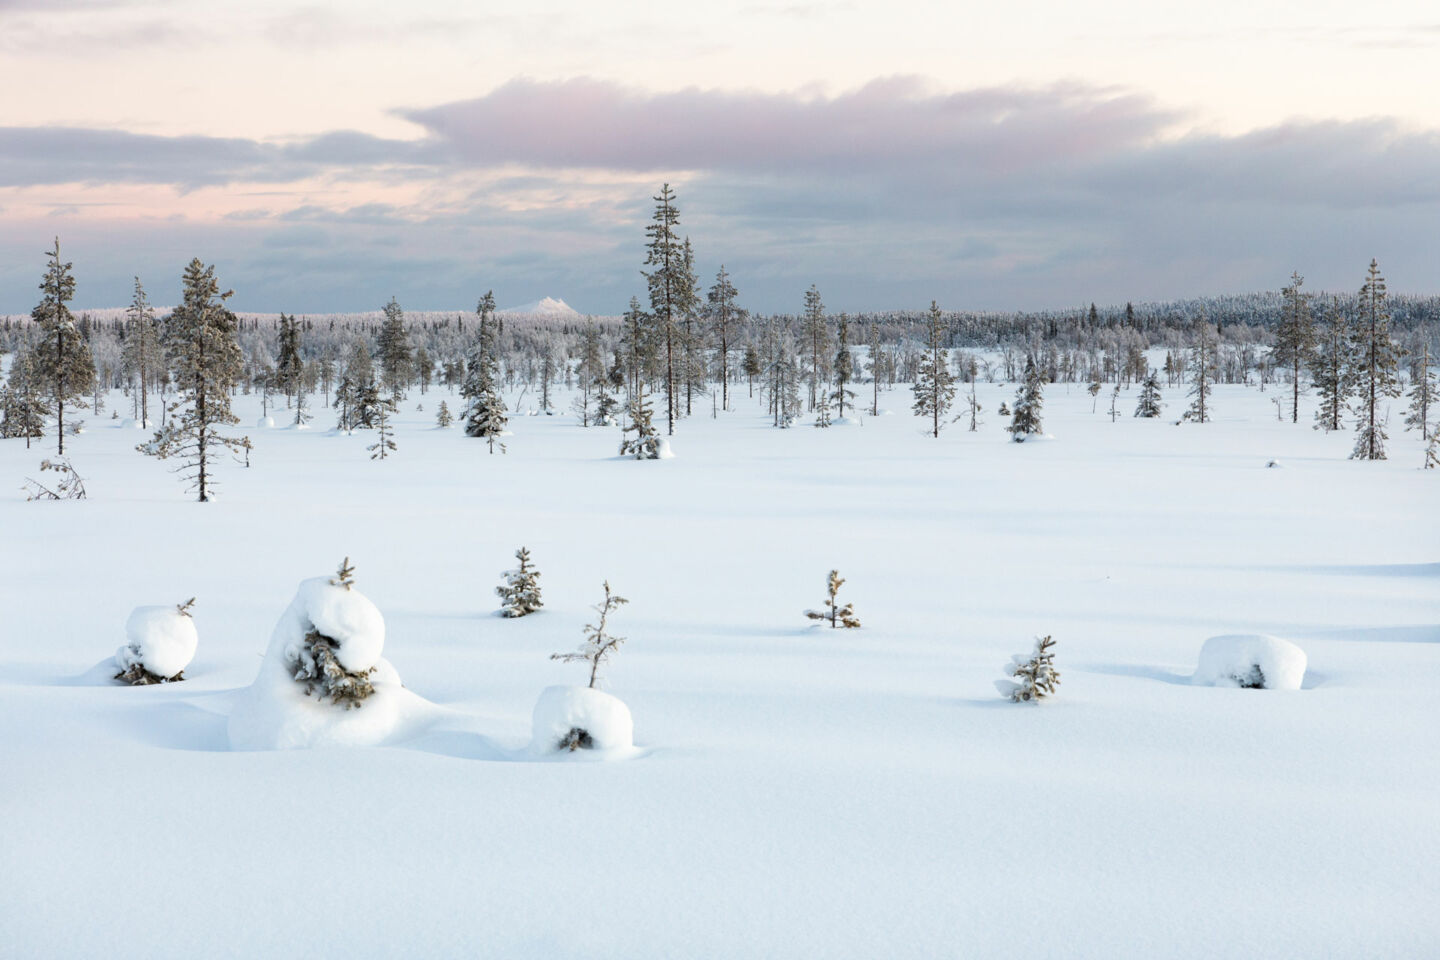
[583, 718]
[322, 661]
[837, 615]
[520, 592]
[159, 644]
[1252, 661]
[1034, 679]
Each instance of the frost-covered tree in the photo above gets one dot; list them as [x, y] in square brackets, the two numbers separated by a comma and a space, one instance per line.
[443, 417]
[589, 372]
[289, 365]
[200, 340]
[485, 417]
[837, 615]
[723, 317]
[1376, 364]
[844, 365]
[317, 667]
[1332, 369]
[815, 334]
[61, 359]
[69, 486]
[668, 283]
[782, 375]
[645, 444]
[1150, 403]
[1035, 678]
[520, 593]
[875, 365]
[1203, 370]
[142, 354]
[934, 387]
[1295, 338]
[972, 408]
[1094, 389]
[1029, 403]
[599, 645]
[384, 444]
[1422, 393]
[22, 405]
[396, 356]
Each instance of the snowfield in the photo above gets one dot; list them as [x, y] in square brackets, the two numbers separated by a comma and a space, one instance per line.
[794, 791]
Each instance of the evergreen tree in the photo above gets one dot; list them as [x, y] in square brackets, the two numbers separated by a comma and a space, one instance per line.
[934, 385]
[668, 283]
[589, 372]
[1029, 400]
[838, 616]
[1295, 338]
[876, 364]
[973, 407]
[520, 594]
[844, 366]
[444, 417]
[599, 645]
[692, 338]
[61, 360]
[203, 351]
[22, 403]
[1331, 370]
[1375, 364]
[424, 368]
[723, 317]
[1094, 388]
[1149, 405]
[645, 445]
[751, 366]
[396, 356]
[485, 416]
[1203, 370]
[816, 337]
[142, 353]
[1035, 679]
[384, 443]
[1422, 393]
[289, 366]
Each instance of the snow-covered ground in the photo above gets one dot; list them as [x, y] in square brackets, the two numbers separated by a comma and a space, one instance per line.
[795, 791]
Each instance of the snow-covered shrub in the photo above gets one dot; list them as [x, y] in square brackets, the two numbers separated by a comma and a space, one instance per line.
[159, 644]
[1034, 679]
[70, 486]
[583, 718]
[324, 659]
[520, 592]
[837, 615]
[1251, 661]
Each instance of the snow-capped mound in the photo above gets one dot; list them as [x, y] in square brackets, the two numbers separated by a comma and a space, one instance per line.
[545, 307]
[323, 681]
[159, 640]
[265, 423]
[1255, 661]
[581, 718]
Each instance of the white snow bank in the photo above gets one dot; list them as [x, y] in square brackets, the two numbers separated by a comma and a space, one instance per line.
[1250, 660]
[603, 717]
[276, 712]
[265, 423]
[665, 452]
[131, 424]
[161, 639]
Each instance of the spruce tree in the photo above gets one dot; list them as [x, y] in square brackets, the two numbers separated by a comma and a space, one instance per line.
[1422, 392]
[1295, 338]
[203, 351]
[1029, 401]
[485, 417]
[816, 336]
[844, 366]
[875, 365]
[520, 593]
[289, 366]
[142, 353]
[1035, 678]
[668, 283]
[723, 317]
[645, 445]
[61, 360]
[22, 404]
[834, 613]
[396, 356]
[751, 366]
[1150, 404]
[1375, 364]
[1331, 369]
[589, 372]
[934, 385]
[444, 417]
[1203, 370]
[384, 443]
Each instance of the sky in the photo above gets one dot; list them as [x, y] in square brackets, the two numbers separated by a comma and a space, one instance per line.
[1025, 155]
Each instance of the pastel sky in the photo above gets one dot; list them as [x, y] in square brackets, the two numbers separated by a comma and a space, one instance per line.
[1026, 154]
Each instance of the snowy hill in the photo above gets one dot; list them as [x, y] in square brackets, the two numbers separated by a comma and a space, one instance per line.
[546, 307]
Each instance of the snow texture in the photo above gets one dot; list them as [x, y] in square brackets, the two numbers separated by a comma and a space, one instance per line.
[276, 712]
[604, 719]
[160, 639]
[1251, 660]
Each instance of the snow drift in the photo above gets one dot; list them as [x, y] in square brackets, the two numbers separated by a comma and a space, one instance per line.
[569, 718]
[161, 640]
[1255, 661]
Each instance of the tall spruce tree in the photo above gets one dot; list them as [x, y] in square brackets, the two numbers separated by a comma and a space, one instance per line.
[934, 384]
[201, 343]
[1029, 401]
[1203, 369]
[485, 417]
[844, 365]
[61, 359]
[1150, 404]
[142, 353]
[1376, 361]
[289, 365]
[1332, 369]
[1422, 392]
[1295, 338]
[723, 317]
[668, 283]
[396, 356]
[816, 335]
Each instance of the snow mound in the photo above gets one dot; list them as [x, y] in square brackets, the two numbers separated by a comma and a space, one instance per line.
[277, 713]
[160, 639]
[265, 423]
[1250, 660]
[603, 720]
[131, 424]
[544, 307]
[665, 452]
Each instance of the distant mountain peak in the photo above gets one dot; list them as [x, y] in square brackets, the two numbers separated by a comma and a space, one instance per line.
[545, 307]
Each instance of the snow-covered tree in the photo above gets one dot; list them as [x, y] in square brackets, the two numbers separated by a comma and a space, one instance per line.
[1422, 393]
[62, 362]
[934, 387]
[200, 341]
[844, 365]
[1332, 369]
[723, 317]
[160, 643]
[70, 486]
[599, 645]
[1376, 365]
[317, 663]
[1035, 678]
[393, 343]
[1150, 403]
[443, 417]
[645, 444]
[22, 405]
[384, 444]
[485, 417]
[1029, 403]
[1203, 369]
[668, 281]
[142, 354]
[972, 408]
[815, 335]
[1295, 338]
[520, 593]
[589, 372]
[834, 613]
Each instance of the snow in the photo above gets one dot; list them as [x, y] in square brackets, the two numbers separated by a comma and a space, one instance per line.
[563, 709]
[276, 712]
[161, 639]
[265, 423]
[1251, 660]
[795, 793]
[548, 307]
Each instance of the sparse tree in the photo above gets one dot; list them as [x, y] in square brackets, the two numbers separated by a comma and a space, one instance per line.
[1376, 362]
[61, 360]
[1295, 338]
[142, 353]
[1035, 678]
[834, 613]
[1203, 370]
[934, 384]
[1332, 370]
[1422, 393]
[1150, 404]
[599, 645]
